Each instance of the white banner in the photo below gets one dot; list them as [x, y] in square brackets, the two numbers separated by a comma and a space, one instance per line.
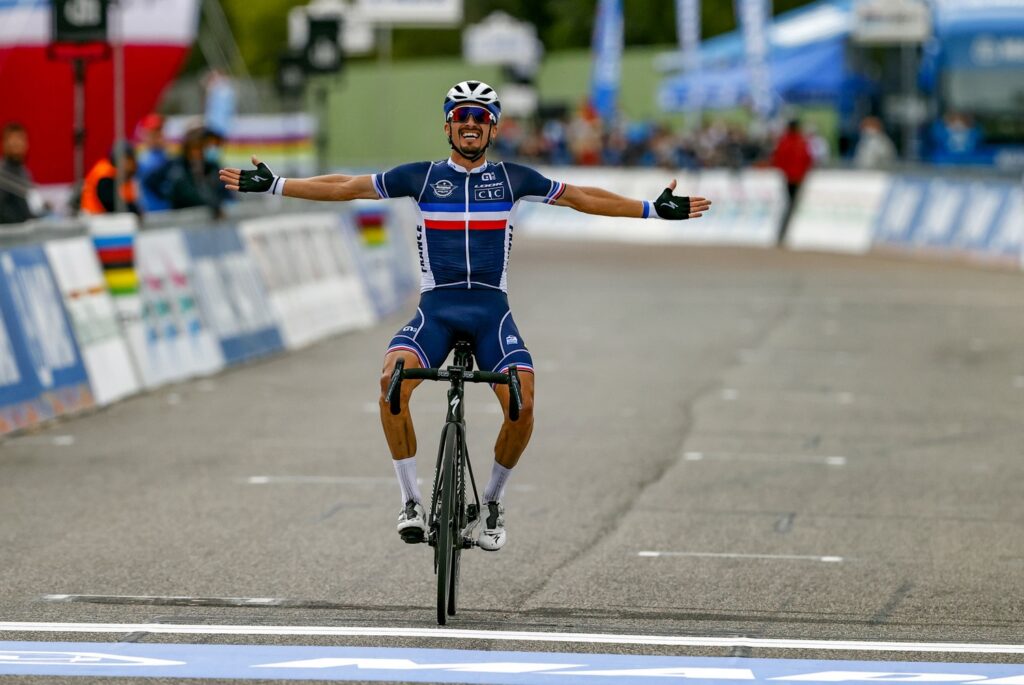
[748, 207]
[836, 211]
[93, 318]
[169, 339]
[311, 277]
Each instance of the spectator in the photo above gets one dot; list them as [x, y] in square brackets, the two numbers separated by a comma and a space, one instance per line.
[955, 137]
[152, 163]
[874, 148]
[19, 201]
[191, 179]
[100, 185]
[792, 156]
[584, 136]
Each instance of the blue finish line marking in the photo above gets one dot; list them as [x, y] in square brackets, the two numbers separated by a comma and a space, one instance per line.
[246, 662]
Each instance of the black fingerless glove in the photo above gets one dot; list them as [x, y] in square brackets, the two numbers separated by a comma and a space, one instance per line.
[260, 180]
[672, 207]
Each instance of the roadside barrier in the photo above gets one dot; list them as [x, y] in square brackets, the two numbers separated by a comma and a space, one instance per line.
[105, 309]
[749, 207]
[979, 220]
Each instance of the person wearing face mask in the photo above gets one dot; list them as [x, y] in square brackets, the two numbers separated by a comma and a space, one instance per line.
[191, 179]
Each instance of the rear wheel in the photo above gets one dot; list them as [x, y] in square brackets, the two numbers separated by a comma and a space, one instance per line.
[447, 533]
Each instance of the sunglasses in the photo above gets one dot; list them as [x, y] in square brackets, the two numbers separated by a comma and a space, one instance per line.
[480, 115]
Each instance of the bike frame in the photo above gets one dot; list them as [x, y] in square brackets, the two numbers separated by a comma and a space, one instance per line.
[463, 518]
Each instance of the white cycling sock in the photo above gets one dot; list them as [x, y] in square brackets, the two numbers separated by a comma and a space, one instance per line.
[495, 490]
[405, 469]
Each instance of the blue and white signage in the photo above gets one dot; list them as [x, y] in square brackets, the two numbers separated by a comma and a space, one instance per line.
[232, 296]
[41, 370]
[244, 662]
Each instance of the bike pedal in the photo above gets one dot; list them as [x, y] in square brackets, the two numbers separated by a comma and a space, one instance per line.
[412, 536]
[472, 512]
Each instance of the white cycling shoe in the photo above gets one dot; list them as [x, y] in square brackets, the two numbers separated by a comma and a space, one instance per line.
[412, 522]
[493, 537]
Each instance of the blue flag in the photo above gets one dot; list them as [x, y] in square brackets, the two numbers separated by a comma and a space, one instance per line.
[688, 30]
[754, 16]
[607, 70]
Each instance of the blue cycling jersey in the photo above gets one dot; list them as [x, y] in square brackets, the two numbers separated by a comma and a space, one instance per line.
[466, 218]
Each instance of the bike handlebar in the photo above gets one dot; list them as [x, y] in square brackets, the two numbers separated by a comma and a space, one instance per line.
[394, 394]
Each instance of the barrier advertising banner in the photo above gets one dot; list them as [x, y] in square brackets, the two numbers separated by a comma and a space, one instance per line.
[232, 297]
[165, 331]
[748, 208]
[385, 262]
[836, 211]
[41, 370]
[93, 319]
[979, 220]
[314, 285]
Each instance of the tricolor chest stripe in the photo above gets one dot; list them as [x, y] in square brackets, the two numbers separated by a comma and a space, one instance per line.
[460, 225]
[461, 216]
[460, 207]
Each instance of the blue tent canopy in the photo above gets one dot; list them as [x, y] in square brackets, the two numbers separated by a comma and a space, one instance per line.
[806, 62]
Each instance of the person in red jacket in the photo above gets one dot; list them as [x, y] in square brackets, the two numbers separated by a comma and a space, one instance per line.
[792, 156]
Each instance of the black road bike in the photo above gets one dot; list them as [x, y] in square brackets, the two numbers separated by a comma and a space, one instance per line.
[451, 520]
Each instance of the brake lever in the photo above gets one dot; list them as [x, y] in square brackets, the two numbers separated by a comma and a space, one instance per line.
[394, 394]
[515, 393]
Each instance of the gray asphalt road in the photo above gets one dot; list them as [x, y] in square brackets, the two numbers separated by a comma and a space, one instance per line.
[728, 442]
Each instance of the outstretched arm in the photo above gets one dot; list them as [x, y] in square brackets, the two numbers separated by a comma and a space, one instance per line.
[605, 203]
[336, 187]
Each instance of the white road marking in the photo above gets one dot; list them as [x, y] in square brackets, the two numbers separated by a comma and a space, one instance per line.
[730, 555]
[833, 460]
[319, 480]
[845, 398]
[730, 394]
[63, 440]
[524, 636]
[349, 480]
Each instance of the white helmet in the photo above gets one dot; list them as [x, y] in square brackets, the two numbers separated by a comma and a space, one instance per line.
[472, 91]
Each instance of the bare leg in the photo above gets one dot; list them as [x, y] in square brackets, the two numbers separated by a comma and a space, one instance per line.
[398, 428]
[514, 435]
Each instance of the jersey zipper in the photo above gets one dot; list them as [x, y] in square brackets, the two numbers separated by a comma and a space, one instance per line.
[469, 270]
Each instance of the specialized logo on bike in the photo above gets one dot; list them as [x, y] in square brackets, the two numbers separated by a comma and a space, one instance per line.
[443, 188]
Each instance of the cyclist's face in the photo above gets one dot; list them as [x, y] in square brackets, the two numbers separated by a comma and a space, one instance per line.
[470, 135]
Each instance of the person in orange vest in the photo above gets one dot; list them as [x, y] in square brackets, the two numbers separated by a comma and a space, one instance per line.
[98, 186]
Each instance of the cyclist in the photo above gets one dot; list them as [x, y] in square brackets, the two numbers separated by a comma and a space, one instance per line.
[466, 215]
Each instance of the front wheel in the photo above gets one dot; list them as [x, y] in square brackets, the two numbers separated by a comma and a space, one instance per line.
[448, 534]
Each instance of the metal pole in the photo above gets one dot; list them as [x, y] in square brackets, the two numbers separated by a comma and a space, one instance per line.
[118, 43]
[78, 132]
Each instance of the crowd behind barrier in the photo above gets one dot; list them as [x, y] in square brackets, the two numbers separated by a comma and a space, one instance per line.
[92, 312]
[95, 311]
